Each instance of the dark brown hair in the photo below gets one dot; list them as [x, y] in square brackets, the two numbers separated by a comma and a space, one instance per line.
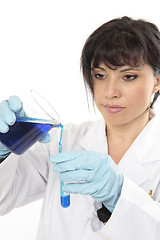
[119, 42]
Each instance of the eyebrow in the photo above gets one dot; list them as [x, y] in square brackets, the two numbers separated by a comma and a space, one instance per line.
[123, 70]
[127, 69]
[92, 68]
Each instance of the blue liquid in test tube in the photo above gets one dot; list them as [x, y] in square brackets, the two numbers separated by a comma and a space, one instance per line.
[65, 198]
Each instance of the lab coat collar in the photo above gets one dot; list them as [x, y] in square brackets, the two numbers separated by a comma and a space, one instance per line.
[147, 144]
[95, 138]
[137, 155]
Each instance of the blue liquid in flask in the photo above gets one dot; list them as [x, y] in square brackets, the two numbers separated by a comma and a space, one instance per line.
[24, 133]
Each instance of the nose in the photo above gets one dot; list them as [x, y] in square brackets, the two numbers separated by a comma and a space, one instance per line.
[112, 89]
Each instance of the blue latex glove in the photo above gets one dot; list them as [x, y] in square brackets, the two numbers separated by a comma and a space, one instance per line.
[9, 110]
[91, 173]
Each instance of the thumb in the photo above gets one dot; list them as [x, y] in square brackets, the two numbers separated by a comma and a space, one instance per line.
[45, 138]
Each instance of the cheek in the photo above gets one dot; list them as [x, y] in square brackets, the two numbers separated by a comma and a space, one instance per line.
[97, 93]
[141, 96]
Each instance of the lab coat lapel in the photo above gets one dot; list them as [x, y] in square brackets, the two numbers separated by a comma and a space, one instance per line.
[131, 167]
[144, 150]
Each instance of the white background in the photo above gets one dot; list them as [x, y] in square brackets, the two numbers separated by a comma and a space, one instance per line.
[40, 48]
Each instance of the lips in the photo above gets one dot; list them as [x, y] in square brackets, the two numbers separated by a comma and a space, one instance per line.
[113, 108]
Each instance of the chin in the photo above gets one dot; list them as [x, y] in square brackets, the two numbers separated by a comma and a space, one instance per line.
[117, 119]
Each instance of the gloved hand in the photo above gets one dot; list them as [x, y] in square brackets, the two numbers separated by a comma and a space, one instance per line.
[9, 110]
[91, 173]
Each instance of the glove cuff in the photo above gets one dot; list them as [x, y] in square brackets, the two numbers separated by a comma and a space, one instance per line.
[4, 154]
[103, 214]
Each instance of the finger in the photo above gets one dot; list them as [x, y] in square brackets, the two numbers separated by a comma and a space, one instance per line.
[3, 127]
[76, 176]
[80, 161]
[65, 156]
[4, 150]
[14, 103]
[17, 106]
[45, 139]
[7, 115]
[81, 188]
[75, 164]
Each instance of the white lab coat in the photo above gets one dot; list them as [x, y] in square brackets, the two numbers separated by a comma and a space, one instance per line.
[31, 176]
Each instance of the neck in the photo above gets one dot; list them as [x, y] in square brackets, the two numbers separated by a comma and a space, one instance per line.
[127, 132]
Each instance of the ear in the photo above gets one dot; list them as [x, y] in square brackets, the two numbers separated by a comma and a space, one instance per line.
[156, 84]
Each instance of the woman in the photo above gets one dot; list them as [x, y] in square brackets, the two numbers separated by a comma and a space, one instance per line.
[111, 165]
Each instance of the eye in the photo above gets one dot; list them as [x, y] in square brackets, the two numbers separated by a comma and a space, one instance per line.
[130, 77]
[99, 76]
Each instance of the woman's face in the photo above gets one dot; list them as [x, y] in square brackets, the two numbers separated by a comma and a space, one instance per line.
[123, 94]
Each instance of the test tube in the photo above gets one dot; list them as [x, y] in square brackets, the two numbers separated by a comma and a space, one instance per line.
[65, 198]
